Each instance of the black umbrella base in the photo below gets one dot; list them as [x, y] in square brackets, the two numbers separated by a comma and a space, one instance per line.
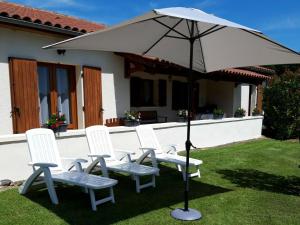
[189, 215]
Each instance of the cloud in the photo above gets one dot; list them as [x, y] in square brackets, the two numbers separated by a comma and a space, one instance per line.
[283, 23]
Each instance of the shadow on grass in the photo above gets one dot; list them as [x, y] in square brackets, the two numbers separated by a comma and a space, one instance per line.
[74, 206]
[255, 179]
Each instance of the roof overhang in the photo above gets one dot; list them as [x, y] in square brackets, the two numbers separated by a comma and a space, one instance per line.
[42, 27]
[136, 63]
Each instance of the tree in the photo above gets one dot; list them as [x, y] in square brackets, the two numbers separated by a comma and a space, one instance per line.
[282, 104]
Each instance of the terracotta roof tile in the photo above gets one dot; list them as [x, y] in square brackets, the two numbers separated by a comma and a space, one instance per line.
[47, 17]
[246, 73]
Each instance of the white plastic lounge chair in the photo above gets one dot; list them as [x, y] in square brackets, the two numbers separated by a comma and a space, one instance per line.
[148, 140]
[47, 163]
[115, 159]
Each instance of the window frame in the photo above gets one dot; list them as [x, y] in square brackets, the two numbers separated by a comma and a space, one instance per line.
[53, 90]
[139, 102]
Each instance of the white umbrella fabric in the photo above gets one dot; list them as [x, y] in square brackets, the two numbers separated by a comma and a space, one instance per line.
[162, 33]
[190, 38]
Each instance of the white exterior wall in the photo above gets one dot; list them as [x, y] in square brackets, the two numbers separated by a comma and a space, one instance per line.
[21, 44]
[253, 98]
[241, 97]
[220, 93]
[14, 154]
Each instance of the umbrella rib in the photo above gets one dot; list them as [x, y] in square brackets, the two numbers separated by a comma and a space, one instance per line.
[188, 26]
[165, 25]
[199, 39]
[171, 36]
[273, 42]
[204, 32]
[155, 43]
[210, 32]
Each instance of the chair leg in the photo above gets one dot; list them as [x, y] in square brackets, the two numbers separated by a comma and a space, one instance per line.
[50, 185]
[93, 199]
[198, 172]
[111, 191]
[153, 180]
[23, 189]
[178, 167]
[137, 184]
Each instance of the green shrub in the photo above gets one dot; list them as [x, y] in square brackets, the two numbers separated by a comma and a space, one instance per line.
[256, 112]
[282, 106]
[240, 112]
[218, 112]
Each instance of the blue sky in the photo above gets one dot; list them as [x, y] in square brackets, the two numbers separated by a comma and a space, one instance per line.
[279, 19]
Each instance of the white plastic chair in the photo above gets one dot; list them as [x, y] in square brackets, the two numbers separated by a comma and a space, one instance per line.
[117, 160]
[148, 140]
[46, 163]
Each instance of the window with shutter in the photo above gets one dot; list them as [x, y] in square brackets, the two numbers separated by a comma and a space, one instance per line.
[57, 92]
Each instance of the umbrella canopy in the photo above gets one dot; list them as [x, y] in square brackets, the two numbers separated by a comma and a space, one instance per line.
[162, 33]
[190, 38]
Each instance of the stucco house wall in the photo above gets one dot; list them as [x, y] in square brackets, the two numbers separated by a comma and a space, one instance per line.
[22, 44]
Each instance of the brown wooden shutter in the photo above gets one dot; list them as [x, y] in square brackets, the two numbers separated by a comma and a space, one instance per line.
[259, 97]
[24, 92]
[93, 111]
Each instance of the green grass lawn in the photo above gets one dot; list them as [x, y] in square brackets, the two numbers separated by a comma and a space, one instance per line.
[257, 182]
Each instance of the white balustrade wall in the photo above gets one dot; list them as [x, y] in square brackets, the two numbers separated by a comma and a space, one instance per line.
[14, 154]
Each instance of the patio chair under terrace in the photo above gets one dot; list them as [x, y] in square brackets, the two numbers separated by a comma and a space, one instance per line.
[117, 160]
[148, 140]
[47, 164]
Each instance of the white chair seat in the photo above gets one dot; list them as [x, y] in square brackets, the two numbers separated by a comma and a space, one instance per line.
[132, 168]
[177, 159]
[84, 180]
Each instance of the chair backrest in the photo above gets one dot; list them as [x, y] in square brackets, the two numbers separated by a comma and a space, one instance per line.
[99, 140]
[43, 147]
[147, 137]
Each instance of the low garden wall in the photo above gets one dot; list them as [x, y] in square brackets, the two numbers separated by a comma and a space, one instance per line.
[14, 154]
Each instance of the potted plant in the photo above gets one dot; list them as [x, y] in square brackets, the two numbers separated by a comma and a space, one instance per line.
[240, 112]
[57, 123]
[256, 112]
[218, 113]
[132, 118]
[182, 115]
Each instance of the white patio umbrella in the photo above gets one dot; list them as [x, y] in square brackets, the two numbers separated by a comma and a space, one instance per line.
[190, 38]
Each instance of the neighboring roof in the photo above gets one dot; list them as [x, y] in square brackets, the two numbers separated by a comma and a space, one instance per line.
[43, 17]
[246, 73]
[239, 74]
[260, 69]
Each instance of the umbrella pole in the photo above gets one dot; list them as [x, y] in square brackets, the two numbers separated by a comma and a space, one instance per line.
[187, 213]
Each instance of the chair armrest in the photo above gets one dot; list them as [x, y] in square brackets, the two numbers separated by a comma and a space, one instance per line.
[122, 153]
[150, 153]
[172, 149]
[144, 149]
[102, 156]
[74, 162]
[43, 164]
